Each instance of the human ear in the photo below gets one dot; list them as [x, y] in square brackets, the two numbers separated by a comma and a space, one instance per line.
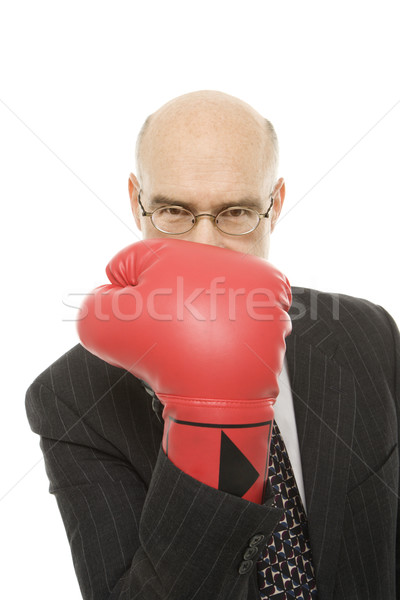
[278, 194]
[133, 189]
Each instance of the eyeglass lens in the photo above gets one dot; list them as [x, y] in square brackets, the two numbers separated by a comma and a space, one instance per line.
[176, 219]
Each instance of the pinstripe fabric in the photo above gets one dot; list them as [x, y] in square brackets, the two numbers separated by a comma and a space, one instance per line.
[140, 528]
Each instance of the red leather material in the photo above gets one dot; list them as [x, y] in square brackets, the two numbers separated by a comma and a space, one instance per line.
[205, 327]
[193, 440]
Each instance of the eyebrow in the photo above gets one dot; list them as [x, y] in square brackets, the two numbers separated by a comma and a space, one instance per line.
[162, 200]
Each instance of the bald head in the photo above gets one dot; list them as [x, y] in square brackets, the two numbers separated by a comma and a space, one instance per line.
[208, 115]
[206, 151]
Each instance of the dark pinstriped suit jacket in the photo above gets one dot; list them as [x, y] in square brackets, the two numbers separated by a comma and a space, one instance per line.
[141, 529]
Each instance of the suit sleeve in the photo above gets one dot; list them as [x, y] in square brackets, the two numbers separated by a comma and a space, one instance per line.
[396, 386]
[173, 537]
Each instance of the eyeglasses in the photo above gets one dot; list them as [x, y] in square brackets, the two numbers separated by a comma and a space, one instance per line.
[175, 220]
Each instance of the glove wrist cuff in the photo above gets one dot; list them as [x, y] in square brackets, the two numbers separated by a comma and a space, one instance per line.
[223, 443]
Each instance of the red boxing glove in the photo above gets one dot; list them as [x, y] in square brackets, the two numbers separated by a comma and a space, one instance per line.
[205, 327]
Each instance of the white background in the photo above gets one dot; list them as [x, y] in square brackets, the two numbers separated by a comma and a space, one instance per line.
[77, 79]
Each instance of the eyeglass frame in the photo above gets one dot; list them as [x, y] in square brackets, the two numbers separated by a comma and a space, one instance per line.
[146, 213]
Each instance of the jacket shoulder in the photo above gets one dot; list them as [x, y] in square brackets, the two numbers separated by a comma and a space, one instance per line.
[349, 329]
[82, 399]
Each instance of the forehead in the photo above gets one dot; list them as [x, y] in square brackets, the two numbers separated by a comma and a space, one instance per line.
[187, 160]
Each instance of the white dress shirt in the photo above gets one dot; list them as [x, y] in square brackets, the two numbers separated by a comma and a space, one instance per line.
[284, 416]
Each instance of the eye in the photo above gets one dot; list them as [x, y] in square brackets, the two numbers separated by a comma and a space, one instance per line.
[173, 211]
[234, 213]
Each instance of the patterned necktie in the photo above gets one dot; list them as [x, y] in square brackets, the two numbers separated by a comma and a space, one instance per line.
[285, 570]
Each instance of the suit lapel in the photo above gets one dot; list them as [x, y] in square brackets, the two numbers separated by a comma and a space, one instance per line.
[324, 404]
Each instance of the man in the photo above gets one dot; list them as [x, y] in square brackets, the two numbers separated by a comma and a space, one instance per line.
[138, 526]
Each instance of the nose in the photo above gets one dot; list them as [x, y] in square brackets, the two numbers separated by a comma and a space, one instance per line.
[205, 232]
